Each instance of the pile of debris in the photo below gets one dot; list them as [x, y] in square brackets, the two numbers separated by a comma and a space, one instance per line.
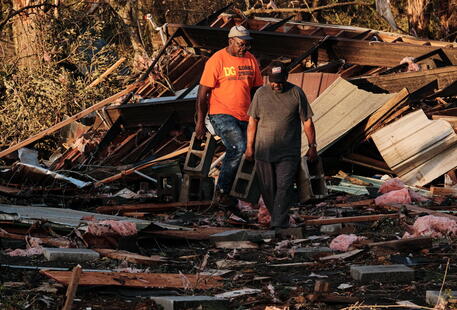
[129, 198]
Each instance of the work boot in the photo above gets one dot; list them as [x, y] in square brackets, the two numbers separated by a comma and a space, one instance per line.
[228, 204]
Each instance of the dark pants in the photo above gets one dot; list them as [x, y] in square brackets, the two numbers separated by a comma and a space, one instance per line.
[233, 134]
[276, 181]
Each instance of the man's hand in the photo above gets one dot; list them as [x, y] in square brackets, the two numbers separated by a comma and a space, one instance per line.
[249, 154]
[312, 153]
[200, 130]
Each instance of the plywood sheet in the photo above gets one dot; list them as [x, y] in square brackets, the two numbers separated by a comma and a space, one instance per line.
[417, 149]
[339, 109]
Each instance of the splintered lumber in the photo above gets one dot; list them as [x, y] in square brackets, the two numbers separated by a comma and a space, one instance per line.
[365, 161]
[386, 109]
[417, 149]
[72, 287]
[425, 210]
[339, 109]
[9, 190]
[140, 167]
[153, 206]
[199, 233]
[405, 244]
[130, 257]
[57, 242]
[360, 203]
[143, 280]
[69, 120]
[236, 245]
[443, 191]
[351, 219]
[106, 73]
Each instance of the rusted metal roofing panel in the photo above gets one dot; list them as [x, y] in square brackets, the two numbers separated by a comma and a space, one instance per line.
[339, 109]
[314, 83]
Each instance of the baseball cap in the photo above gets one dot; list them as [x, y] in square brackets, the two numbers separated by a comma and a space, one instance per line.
[239, 32]
[277, 72]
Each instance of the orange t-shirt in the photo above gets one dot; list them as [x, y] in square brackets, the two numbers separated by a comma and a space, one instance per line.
[231, 79]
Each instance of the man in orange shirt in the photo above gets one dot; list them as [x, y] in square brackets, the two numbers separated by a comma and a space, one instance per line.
[229, 78]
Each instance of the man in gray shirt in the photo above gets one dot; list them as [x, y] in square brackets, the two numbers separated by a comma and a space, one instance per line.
[274, 139]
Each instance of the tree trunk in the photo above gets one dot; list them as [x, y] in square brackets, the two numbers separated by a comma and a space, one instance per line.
[28, 36]
[418, 17]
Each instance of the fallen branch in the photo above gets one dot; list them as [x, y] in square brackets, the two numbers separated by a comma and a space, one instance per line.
[304, 10]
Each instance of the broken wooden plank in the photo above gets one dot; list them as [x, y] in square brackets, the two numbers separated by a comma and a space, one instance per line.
[443, 191]
[73, 118]
[405, 244]
[360, 203]
[72, 287]
[342, 255]
[199, 233]
[236, 245]
[143, 280]
[9, 190]
[366, 161]
[351, 219]
[131, 257]
[153, 206]
[417, 149]
[424, 210]
[106, 73]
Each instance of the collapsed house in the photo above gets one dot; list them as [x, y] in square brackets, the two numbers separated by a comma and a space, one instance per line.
[132, 173]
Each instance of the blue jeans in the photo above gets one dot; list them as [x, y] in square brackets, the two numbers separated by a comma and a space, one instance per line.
[233, 134]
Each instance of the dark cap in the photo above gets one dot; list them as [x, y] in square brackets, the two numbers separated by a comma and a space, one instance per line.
[277, 72]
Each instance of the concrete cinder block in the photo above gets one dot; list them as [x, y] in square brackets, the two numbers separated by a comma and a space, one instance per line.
[246, 185]
[313, 252]
[70, 255]
[198, 159]
[332, 229]
[191, 302]
[382, 273]
[432, 297]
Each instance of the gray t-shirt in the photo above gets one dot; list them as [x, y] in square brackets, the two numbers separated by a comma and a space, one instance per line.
[278, 135]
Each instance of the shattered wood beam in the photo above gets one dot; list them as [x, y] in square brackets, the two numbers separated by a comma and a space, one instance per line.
[72, 287]
[424, 210]
[106, 73]
[130, 257]
[351, 219]
[361, 52]
[140, 167]
[69, 120]
[142, 280]
[303, 10]
[60, 243]
[309, 52]
[153, 206]
[403, 244]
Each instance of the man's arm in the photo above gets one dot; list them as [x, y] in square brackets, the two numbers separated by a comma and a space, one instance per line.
[202, 109]
[310, 132]
[252, 129]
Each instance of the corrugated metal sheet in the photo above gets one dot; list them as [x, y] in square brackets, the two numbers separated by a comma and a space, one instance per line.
[339, 109]
[59, 217]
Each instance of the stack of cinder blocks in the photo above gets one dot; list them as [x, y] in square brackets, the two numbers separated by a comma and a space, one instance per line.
[196, 185]
[311, 180]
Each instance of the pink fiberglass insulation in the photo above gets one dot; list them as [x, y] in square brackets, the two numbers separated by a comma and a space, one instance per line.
[263, 216]
[394, 197]
[27, 252]
[110, 227]
[391, 185]
[432, 226]
[343, 242]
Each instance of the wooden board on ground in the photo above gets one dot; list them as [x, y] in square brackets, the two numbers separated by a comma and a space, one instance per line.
[130, 257]
[405, 244]
[143, 280]
[351, 219]
[153, 206]
[417, 149]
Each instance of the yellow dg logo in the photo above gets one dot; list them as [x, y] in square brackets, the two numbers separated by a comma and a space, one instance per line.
[228, 71]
